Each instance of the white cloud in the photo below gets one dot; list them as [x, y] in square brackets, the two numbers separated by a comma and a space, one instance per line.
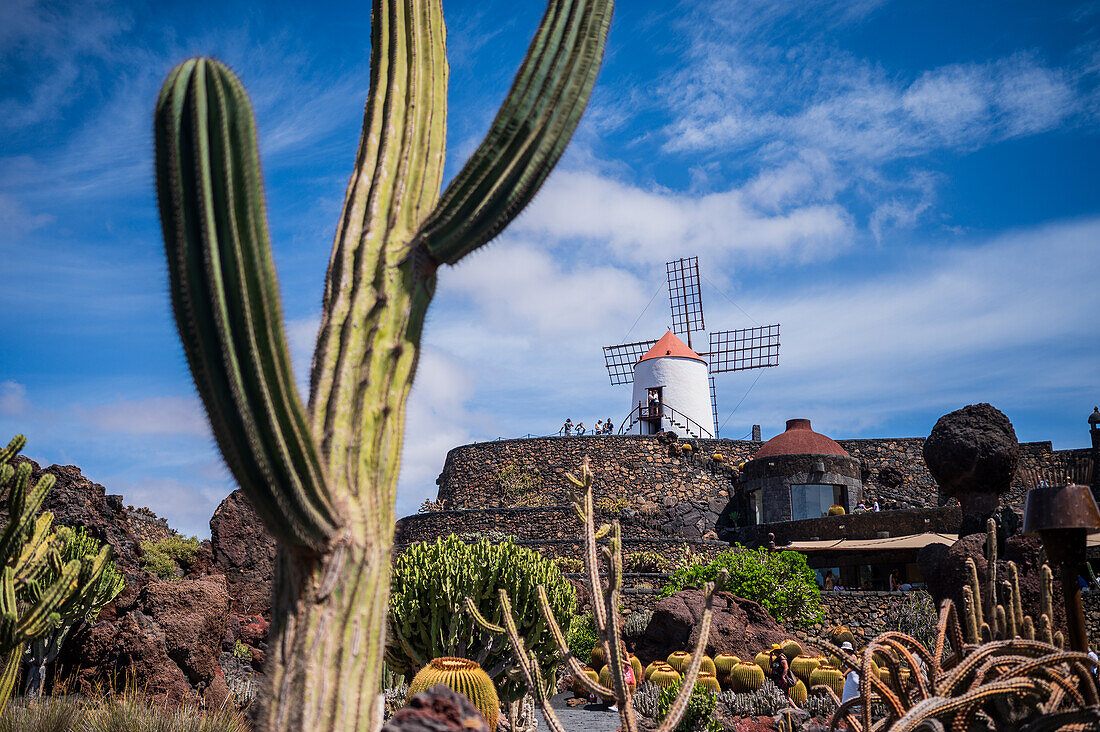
[15, 220]
[13, 399]
[153, 416]
[640, 224]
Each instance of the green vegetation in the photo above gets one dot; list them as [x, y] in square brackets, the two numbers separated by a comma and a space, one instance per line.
[916, 616]
[169, 558]
[324, 480]
[612, 505]
[73, 545]
[699, 715]
[430, 584]
[582, 636]
[242, 651]
[515, 483]
[780, 581]
[38, 587]
[646, 561]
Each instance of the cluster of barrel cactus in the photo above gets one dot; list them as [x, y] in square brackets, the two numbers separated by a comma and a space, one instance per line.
[324, 480]
[765, 700]
[39, 588]
[604, 589]
[430, 584]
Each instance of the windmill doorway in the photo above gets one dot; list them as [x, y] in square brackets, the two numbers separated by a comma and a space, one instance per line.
[651, 410]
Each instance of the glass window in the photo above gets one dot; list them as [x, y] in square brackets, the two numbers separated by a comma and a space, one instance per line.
[813, 500]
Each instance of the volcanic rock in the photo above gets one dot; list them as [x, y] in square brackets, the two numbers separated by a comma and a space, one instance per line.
[738, 626]
[972, 453]
[245, 552]
[166, 643]
[437, 710]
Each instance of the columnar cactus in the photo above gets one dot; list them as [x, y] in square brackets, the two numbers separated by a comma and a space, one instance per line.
[324, 479]
[38, 588]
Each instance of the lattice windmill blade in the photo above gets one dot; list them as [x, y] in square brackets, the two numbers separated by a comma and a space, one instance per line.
[714, 405]
[744, 349]
[620, 360]
[684, 296]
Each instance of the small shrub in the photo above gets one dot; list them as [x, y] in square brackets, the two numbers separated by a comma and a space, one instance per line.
[492, 536]
[646, 561]
[612, 505]
[569, 564]
[170, 557]
[636, 623]
[699, 714]
[42, 714]
[126, 712]
[241, 651]
[514, 482]
[780, 581]
[915, 616]
[582, 636]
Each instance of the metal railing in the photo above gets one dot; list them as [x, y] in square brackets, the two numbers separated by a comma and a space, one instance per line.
[659, 413]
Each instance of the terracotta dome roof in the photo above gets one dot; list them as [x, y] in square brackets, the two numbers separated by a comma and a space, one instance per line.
[670, 345]
[799, 439]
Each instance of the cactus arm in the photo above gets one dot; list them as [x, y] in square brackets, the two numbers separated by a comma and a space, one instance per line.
[226, 299]
[529, 134]
[23, 505]
[10, 673]
[680, 703]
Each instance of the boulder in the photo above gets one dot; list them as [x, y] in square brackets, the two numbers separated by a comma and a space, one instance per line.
[245, 553]
[166, 643]
[973, 453]
[437, 710]
[738, 626]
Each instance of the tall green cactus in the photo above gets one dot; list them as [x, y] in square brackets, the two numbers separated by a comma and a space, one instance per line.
[324, 481]
[37, 586]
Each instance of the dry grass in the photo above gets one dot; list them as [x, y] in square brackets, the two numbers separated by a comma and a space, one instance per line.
[127, 712]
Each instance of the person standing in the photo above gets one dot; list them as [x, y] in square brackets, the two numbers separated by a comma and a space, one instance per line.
[610, 426]
[851, 680]
[580, 429]
[567, 428]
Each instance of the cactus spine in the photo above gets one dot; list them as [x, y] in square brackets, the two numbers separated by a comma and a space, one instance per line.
[747, 677]
[708, 681]
[464, 677]
[828, 675]
[803, 666]
[324, 480]
[791, 649]
[799, 693]
[665, 676]
[678, 660]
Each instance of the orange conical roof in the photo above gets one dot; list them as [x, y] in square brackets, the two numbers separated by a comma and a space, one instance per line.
[670, 345]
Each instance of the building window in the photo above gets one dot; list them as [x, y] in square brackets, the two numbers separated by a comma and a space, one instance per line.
[755, 509]
[812, 500]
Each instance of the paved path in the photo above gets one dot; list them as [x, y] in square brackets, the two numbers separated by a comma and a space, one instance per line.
[584, 718]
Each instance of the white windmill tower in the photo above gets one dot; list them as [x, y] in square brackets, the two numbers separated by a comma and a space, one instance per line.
[674, 385]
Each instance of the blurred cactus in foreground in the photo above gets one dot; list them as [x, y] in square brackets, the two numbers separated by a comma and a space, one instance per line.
[324, 480]
[39, 587]
[605, 608]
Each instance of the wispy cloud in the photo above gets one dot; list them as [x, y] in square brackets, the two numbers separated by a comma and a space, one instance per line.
[13, 398]
[154, 416]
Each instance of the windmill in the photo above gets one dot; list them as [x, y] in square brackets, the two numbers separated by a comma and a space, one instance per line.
[673, 383]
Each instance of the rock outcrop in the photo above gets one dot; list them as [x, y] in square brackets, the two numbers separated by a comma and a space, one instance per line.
[244, 552]
[437, 710]
[167, 642]
[738, 626]
[973, 453]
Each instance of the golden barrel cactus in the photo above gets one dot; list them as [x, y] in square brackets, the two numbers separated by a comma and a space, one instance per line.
[724, 663]
[651, 668]
[709, 681]
[746, 677]
[840, 634]
[664, 675]
[636, 666]
[836, 510]
[764, 659]
[605, 680]
[578, 688]
[828, 675]
[803, 666]
[466, 678]
[597, 659]
[679, 660]
[798, 693]
[791, 648]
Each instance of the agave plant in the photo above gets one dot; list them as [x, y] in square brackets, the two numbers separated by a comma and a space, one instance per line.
[323, 479]
[605, 608]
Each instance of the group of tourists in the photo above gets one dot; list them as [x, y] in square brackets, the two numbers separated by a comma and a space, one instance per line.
[602, 428]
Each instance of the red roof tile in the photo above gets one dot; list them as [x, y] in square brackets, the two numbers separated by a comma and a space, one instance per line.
[670, 345]
[799, 439]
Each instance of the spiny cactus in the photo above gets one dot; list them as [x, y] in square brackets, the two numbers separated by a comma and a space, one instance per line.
[827, 675]
[763, 701]
[465, 677]
[803, 666]
[430, 583]
[746, 677]
[324, 480]
[605, 605]
[664, 675]
[38, 586]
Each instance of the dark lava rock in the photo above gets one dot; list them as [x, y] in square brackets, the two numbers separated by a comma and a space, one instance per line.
[167, 643]
[972, 453]
[245, 552]
[739, 626]
[437, 710]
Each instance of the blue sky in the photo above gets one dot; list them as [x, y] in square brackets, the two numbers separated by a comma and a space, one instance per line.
[909, 188]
